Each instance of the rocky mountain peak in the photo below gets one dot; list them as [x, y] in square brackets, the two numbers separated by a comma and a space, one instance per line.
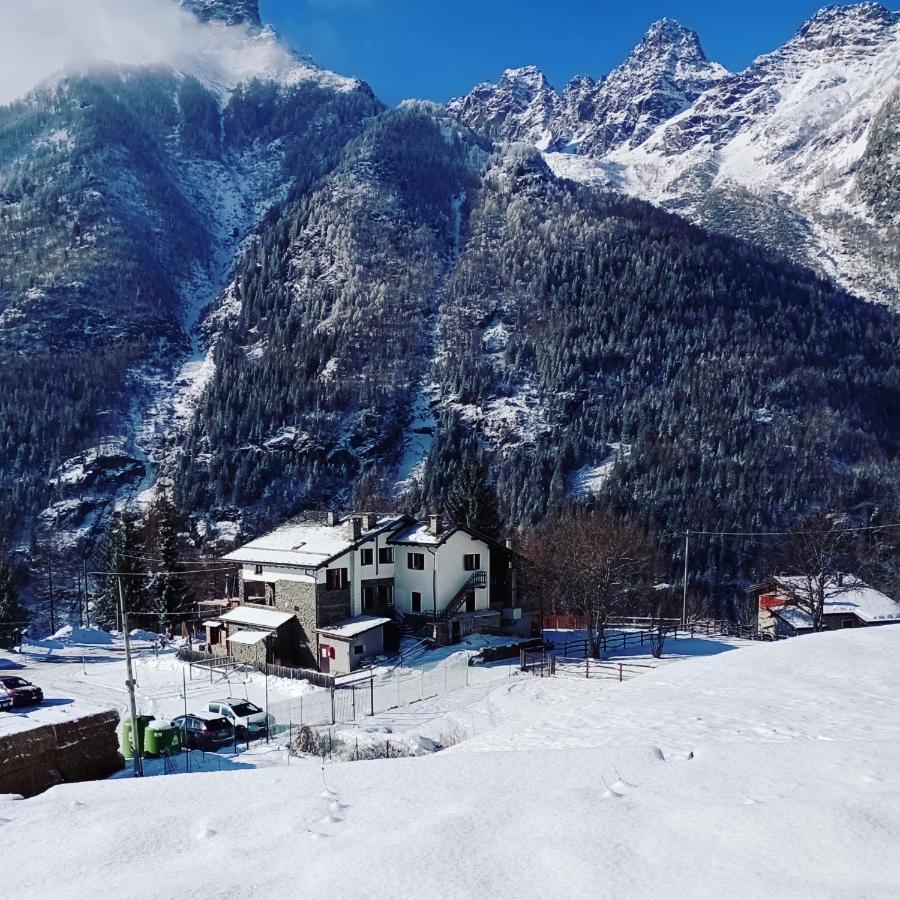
[859, 25]
[669, 41]
[231, 12]
[521, 106]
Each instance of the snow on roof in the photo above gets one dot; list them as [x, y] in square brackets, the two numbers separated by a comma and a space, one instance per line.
[351, 628]
[265, 618]
[419, 533]
[853, 595]
[305, 543]
[248, 637]
[212, 623]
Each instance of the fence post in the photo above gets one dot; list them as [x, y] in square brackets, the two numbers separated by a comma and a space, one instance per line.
[332, 706]
[620, 671]
[372, 696]
[587, 666]
[353, 693]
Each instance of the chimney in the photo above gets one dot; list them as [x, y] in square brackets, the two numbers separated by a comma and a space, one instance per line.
[435, 525]
[332, 518]
[354, 527]
[840, 579]
[370, 522]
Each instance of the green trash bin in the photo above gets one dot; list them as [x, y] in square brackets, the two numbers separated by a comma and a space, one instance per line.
[127, 745]
[160, 739]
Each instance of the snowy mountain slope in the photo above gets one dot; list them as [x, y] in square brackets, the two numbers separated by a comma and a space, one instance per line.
[771, 770]
[156, 174]
[787, 133]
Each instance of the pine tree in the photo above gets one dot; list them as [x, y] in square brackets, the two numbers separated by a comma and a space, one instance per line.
[168, 592]
[472, 498]
[13, 616]
[122, 552]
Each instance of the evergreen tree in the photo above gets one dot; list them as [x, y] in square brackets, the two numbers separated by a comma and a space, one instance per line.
[472, 498]
[168, 591]
[122, 552]
[13, 616]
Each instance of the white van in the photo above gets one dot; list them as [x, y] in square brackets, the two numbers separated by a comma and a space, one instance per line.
[248, 719]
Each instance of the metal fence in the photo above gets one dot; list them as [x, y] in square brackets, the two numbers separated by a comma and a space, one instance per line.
[353, 701]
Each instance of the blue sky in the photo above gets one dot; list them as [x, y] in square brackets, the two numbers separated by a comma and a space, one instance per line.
[436, 49]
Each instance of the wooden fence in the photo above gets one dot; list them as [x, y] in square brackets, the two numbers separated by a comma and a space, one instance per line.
[213, 662]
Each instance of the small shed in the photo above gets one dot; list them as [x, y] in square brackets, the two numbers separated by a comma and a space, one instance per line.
[344, 645]
[251, 635]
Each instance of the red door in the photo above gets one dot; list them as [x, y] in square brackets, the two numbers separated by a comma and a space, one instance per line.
[325, 656]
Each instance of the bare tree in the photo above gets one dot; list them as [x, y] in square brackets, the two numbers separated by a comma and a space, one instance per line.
[591, 563]
[809, 565]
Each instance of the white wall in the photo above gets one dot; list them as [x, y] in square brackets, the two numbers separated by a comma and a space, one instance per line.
[443, 575]
[276, 573]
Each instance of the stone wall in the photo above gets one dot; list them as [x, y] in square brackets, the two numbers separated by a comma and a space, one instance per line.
[82, 749]
[333, 606]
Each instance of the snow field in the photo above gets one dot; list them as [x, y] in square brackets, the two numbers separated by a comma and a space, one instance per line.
[773, 770]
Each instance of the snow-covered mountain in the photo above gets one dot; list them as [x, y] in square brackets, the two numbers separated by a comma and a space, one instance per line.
[231, 12]
[227, 269]
[772, 153]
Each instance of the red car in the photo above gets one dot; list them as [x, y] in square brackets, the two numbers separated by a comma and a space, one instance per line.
[23, 692]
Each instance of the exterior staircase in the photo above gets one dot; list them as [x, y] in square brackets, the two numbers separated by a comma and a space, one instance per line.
[477, 581]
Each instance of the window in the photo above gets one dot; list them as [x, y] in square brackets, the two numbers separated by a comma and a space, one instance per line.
[358, 649]
[366, 556]
[386, 556]
[415, 561]
[257, 570]
[472, 562]
[368, 597]
[386, 595]
[416, 602]
[336, 580]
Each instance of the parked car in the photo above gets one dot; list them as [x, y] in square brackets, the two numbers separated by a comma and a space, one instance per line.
[23, 692]
[201, 731]
[248, 719]
[6, 700]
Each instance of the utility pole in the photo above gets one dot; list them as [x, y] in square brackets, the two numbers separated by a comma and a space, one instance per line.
[138, 761]
[87, 596]
[687, 550]
[50, 590]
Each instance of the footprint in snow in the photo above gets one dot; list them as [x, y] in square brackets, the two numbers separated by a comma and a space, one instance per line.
[658, 753]
[205, 832]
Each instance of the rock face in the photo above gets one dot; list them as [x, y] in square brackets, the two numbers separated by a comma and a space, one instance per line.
[523, 106]
[231, 12]
[804, 131]
[661, 77]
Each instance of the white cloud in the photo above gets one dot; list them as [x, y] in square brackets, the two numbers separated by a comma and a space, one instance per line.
[39, 38]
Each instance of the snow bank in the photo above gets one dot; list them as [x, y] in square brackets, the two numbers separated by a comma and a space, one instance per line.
[70, 634]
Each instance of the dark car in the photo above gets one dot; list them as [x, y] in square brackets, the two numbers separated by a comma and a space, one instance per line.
[23, 692]
[204, 732]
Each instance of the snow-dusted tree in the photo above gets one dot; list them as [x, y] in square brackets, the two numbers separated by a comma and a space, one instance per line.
[168, 594]
[472, 498]
[122, 552]
[591, 563]
[809, 564]
[13, 616]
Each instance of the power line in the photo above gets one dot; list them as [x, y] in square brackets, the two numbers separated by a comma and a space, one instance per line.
[155, 573]
[790, 533]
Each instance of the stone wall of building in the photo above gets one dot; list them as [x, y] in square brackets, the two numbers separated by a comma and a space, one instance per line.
[333, 606]
[81, 749]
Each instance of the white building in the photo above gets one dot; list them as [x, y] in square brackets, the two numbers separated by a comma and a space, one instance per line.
[334, 575]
